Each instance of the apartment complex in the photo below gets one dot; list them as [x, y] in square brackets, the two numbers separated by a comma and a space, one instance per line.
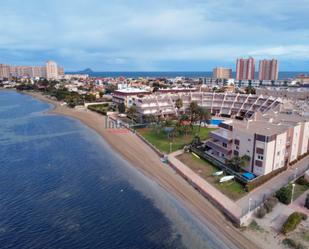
[268, 70]
[271, 140]
[293, 93]
[222, 73]
[245, 69]
[224, 104]
[49, 71]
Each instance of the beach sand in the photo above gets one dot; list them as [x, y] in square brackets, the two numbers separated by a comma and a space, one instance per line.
[148, 162]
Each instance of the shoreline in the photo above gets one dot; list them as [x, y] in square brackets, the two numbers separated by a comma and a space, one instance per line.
[144, 159]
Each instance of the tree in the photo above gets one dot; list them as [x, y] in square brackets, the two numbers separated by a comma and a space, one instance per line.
[132, 111]
[193, 110]
[284, 194]
[239, 162]
[179, 104]
[203, 115]
[121, 108]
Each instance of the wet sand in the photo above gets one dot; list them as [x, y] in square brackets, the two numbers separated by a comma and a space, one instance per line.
[147, 161]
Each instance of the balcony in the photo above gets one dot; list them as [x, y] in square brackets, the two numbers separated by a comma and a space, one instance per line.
[219, 147]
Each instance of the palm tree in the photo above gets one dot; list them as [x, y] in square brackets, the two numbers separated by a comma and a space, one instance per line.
[203, 115]
[239, 162]
[178, 104]
[132, 111]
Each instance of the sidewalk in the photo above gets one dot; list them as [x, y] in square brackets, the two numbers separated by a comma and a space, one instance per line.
[227, 205]
[261, 193]
[255, 197]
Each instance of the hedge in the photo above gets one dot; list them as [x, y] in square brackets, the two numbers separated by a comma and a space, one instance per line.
[284, 194]
[292, 222]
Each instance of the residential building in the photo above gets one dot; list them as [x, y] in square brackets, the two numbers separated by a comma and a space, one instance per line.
[293, 93]
[4, 71]
[128, 95]
[49, 71]
[271, 141]
[245, 69]
[221, 104]
[268, 70]
[222, 73]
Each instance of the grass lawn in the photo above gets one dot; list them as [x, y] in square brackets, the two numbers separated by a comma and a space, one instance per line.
[161, 142]
[232, 189]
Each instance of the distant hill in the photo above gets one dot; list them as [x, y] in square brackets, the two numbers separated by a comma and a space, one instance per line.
[85, 71]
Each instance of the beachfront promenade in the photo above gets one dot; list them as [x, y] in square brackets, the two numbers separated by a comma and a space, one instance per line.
[240, 211]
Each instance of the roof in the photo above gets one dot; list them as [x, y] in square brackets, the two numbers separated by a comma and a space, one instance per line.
[260, 127]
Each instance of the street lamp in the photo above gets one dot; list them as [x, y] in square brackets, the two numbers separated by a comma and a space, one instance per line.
[293, 188]
[250, 199]
[171, 144]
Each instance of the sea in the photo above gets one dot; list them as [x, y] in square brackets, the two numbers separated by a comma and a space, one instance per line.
[63, 187]
[165, 74]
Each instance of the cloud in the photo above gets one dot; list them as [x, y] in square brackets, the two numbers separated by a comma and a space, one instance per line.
[153, 35]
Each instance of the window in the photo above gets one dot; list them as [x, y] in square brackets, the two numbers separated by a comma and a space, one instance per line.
[236, 141]
[260, 157]
[258, 163]
[278, 153]
[259, 151]
[236, 153]
[249, 139]
[224, 145]
[237, 148]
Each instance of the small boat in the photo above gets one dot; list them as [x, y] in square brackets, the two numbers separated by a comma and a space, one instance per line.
[195, 155]
[218, 173]
[226, 178]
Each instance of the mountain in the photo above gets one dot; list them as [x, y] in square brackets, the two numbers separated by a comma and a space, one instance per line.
[85, 71]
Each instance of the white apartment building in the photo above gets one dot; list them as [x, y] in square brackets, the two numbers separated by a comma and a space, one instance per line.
[272, 140]
[225, 104]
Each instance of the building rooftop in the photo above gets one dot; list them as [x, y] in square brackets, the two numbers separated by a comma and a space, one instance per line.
[260, 127]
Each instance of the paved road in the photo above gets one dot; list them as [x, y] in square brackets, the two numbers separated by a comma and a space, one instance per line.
[259, 194]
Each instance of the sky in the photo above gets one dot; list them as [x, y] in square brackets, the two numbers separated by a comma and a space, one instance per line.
[154, 35]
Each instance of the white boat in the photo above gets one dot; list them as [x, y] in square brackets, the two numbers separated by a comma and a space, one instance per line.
[226, 178]
[195, 155]
[218, 173]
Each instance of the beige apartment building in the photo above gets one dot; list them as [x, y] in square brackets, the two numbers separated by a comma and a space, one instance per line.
[272, 140]
[222, 73]
[268, 70]
[50, 71]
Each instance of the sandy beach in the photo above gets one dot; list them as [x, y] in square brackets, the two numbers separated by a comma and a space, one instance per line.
[130, 147]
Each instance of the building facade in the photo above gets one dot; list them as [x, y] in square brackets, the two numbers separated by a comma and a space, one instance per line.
[222, 73]
[271, 141]
[50, 71]
[268, 70]
[245, 69]
[224, 104]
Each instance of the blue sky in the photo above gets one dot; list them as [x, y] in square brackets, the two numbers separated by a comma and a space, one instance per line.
[154, 35]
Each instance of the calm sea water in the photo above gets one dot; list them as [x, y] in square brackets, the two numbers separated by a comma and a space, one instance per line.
[61, 186]
[282, 75]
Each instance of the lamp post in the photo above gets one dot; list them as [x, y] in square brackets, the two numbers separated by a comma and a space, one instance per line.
[171, 144]
[250, 199]
[295, 174]
[293, 188]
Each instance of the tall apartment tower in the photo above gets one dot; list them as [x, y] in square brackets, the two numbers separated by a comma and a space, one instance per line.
[51, 70]
[268, 70]
[222, 73]
[245, 69]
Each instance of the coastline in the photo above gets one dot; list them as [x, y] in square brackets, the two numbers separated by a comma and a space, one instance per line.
[132, 149]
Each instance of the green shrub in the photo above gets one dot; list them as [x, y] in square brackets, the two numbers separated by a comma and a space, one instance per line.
[292, 244]
[289, 242]
[292, 222]
[270, 203]
[284, 194]
[302, 181]
[307, 202]
[261, 212]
